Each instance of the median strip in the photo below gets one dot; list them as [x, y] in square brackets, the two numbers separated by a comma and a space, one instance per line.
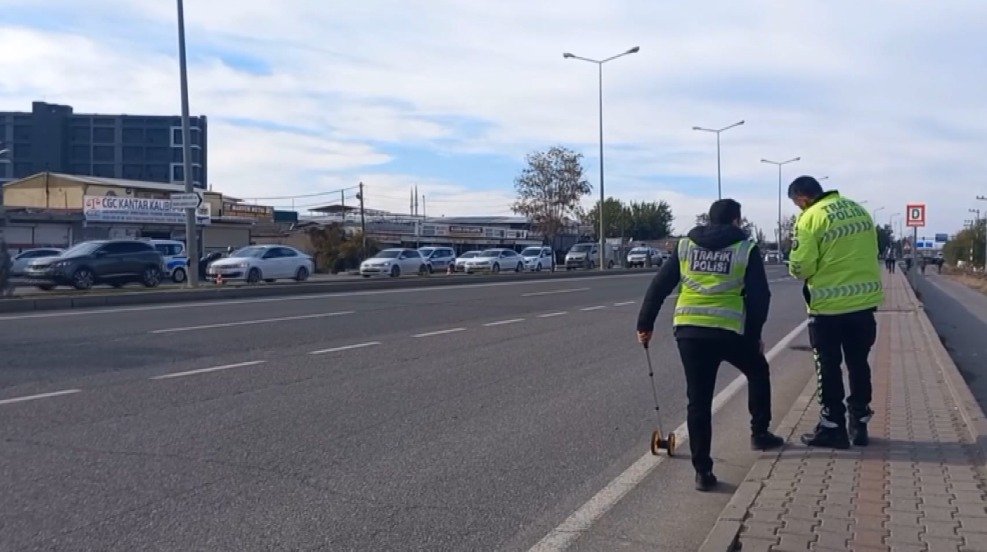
[345, 348]
[250, 322]
[206, 370]
[40, 396]
[440, 332]
[504, 322]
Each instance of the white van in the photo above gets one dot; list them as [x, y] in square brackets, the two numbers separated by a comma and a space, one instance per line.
[586, 255]
[175, 259]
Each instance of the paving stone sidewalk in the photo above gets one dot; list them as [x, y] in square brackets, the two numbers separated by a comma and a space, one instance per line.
[920, 485]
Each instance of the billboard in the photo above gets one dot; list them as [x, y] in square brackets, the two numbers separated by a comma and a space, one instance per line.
[139, 210]
[942, 238]
[244, 210]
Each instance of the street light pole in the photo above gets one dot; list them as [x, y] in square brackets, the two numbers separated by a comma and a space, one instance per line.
[873, 215]
[599, 63]
[780, 164]
[718, 131]
[983, 198]
[191, 237]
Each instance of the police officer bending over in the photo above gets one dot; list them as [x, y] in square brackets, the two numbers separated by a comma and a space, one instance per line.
[722, 306]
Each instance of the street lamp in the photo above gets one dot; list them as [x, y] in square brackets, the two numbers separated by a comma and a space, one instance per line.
[191, 237]
[984, 198]
[719, 186]
[780, 164]
[823, 178]
[873, 214]
[599, 64]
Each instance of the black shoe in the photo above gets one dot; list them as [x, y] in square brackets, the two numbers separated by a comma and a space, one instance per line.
[765, 440]
[827, 437]
[858, 434]
[705, 481]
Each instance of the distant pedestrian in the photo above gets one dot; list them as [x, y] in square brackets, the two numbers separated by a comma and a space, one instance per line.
[833, 251]
[889, 260]
[6, 263]
[722, 305]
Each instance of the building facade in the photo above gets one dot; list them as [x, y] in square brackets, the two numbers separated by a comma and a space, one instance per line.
[52, 138]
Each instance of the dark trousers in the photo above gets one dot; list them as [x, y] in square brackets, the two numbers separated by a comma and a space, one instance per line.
[701, 359]
[835, 338]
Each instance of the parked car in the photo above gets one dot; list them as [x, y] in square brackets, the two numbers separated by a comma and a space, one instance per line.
[22, 259]
[495, 260]
[395, 262]
[638, 256]
[538, 258]
[263, 262]
[114, 262]
[439, 258]
[772, 257]
[175, 259]
[586, 255]
[460, 264]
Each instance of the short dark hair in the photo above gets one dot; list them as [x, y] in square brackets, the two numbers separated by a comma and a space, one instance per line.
[724, 211]
[805, 186]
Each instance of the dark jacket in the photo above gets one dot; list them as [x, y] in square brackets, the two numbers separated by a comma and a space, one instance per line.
[757, 296]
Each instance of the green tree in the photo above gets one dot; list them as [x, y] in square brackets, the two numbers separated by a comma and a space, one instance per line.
[616, 218]
[550, 188]
[650, 220]
[966, 246]
[702, 219]
[334, 251]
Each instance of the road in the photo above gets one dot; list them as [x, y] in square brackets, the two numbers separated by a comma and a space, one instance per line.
[454, 418]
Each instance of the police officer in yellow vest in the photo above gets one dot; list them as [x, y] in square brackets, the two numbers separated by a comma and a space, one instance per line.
[722, 305]
[835, 251]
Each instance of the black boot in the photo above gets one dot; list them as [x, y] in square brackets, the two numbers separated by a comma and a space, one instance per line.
[858, 428]
[705, 481]
[827, 437]
[765, 440]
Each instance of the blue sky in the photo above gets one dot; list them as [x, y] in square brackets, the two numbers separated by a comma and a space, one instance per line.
[885, 98]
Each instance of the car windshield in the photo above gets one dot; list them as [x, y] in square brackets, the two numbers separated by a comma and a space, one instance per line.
[469, 254]
[388, 254]
[84, 248]
[426, 251]
[248, 252]
[531, 252]
[581, 248]
[639, 250]
[490, 253]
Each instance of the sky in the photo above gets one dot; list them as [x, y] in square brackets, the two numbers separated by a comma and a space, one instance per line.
[885, 98]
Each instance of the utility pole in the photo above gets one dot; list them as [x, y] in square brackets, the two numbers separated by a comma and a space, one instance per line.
[342, 204]
[363, 224]
[191, 235]
[984, 198]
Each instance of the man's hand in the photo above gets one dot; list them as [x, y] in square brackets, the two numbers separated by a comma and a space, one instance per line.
[644, 338]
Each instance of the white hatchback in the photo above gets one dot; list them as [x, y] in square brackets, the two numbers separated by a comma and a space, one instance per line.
[537, 259]
[394, 263]
[263, 262]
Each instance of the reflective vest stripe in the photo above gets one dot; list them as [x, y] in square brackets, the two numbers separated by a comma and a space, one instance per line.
[848, 290]
[710, 311]
[709, 290]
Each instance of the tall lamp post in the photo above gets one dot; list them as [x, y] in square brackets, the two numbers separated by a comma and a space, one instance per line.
[984, 198]
[599, 64]
[718, 131]
[191, 235]
[873, 214]
[780, 164]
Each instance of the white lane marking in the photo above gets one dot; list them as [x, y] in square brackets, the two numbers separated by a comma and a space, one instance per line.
[552, 314]
[250, 322]
[598, 307]
[624, 303]
[504, 322]
[583, 518]
[40, 396]
[553, 292]
[206, 370]
[213, 303]
[440, 332]
[345, 348]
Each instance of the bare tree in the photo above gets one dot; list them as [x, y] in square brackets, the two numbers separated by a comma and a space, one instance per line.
[550, 188]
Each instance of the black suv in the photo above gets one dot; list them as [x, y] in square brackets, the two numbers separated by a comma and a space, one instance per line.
[115, 262]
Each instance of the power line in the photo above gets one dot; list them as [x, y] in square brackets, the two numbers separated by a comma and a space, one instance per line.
[303, 196]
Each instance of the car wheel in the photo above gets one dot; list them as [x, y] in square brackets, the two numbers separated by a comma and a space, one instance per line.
[609, 265]
[496, 268]
[538, 268]
[395, 271]
[46, 287]
[83, 279]
[519, 267]
[302, 274]
[431, 269]
[366, 275]
[116, 285]
[424, 270]
[591, 265]
[151, 277]
[179, 275]
[269, 280]
[253, 276]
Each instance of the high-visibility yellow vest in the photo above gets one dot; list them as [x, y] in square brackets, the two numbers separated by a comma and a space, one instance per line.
[711, 293]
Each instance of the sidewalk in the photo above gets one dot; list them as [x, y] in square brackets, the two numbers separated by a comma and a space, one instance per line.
[920, 485]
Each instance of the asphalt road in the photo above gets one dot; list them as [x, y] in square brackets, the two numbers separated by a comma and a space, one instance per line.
[471, 417]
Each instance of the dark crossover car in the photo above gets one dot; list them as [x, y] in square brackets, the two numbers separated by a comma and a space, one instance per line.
[113, 262]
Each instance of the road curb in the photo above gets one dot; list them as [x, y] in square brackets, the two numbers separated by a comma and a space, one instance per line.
[723, 536]
[65, 302]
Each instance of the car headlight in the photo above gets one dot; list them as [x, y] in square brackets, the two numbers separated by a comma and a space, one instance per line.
[60, 264]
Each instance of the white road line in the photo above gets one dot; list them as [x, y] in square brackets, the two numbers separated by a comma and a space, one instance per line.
[346, 348]
[206, 370]
[598, 307]
[583, 518]
[250, 322]
[504, 322]
[624, 303]
[553, 292]
[552, 314]
[440, 332]
[213, 303]
[40, 396]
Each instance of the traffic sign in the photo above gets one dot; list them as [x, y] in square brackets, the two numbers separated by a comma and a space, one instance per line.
[915, 215]
[186, 201]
